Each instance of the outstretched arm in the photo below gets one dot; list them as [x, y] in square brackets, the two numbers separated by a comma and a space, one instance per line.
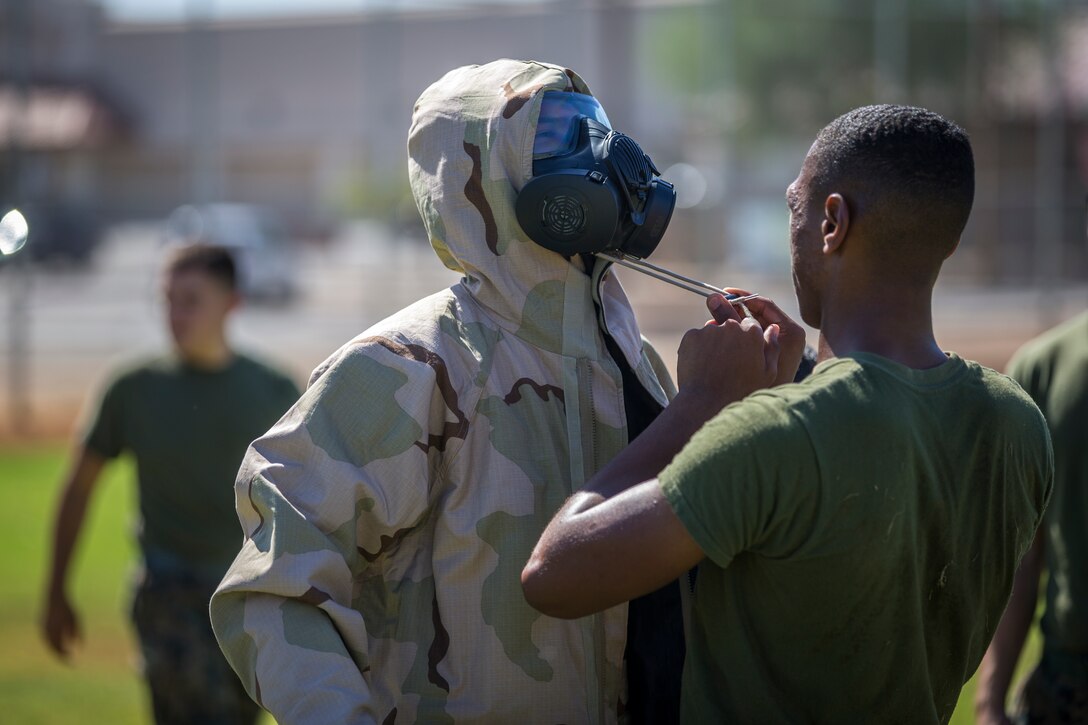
[995, 672]
[619, 538]
[59, 622]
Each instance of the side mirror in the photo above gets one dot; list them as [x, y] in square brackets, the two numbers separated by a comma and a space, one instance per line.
[13, 233]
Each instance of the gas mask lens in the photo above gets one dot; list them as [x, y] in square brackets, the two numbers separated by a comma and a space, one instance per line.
[558, 124]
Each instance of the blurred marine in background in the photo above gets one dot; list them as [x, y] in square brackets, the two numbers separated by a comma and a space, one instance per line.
[388, 515]
[186, 418]
[1053, 369]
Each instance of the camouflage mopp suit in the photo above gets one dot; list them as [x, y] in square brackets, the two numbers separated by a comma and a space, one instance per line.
[388, 515]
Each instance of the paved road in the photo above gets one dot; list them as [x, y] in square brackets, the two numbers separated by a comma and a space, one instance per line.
[83, 323]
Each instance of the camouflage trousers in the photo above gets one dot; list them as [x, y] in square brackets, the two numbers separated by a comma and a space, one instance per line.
[189, 679]
[1055, 693]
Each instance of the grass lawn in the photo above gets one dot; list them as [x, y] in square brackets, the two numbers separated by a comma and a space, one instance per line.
[101, 684]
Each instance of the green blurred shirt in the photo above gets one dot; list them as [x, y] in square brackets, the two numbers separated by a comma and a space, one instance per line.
[862, 529]
[188, 430]
[1054, 371]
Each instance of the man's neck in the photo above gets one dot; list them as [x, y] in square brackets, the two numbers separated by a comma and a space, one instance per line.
[895, 324]
[213, 356]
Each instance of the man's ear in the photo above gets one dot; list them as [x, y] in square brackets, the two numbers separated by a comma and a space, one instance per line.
[836, 223]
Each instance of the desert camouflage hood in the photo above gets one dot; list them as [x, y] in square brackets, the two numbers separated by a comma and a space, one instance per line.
[470, 151]
[388, 515]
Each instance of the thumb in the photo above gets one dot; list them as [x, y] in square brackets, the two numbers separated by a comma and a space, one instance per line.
[721, 309]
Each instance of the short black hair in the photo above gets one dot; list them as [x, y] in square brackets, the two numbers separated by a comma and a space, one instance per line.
[215, 261]
[912, 168]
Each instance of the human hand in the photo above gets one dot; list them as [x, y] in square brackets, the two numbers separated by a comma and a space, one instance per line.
[60, 624]
[791, 336]
[727, 358]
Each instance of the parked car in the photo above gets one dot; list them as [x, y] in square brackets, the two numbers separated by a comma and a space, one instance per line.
[64, 234]
[254, 234]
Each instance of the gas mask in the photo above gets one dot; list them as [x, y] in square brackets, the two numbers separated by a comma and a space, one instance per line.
[595, 191]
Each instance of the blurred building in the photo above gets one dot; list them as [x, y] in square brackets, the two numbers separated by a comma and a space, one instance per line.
[57, 119]
[310, 114]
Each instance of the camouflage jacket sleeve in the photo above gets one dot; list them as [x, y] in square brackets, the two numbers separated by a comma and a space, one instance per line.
[342, 478]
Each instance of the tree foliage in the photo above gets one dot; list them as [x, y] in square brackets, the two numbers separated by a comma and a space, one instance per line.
[789, 66]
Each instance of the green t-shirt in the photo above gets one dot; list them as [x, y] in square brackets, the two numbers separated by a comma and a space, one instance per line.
[188, 430]
[862, 529]
[1054, 371]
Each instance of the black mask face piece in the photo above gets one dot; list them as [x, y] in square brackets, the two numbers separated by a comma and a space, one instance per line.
[594, 191]
[605, 195]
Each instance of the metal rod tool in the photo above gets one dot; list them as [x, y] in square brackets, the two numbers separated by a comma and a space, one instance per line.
[673, 278]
